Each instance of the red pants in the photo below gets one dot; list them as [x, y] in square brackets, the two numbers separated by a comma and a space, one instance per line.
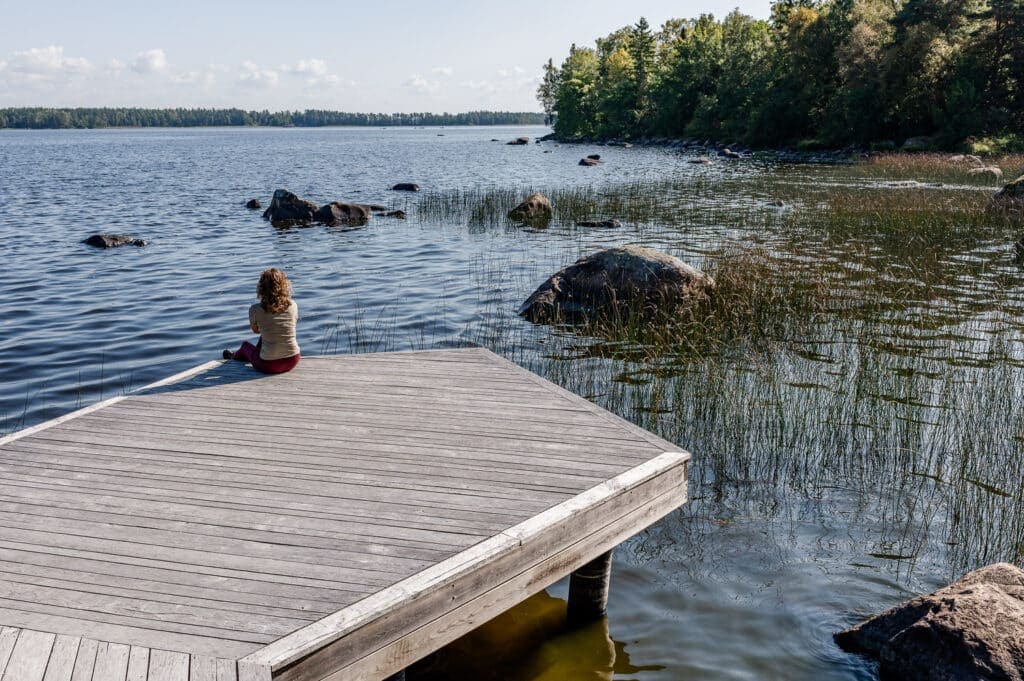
[251, 353]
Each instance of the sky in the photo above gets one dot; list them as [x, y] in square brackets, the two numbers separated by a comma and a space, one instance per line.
[381, 55]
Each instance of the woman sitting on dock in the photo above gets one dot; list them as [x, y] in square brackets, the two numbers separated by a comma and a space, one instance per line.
[274, 318]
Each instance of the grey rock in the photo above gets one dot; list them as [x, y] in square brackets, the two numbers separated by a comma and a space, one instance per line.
[399, 214]
[626, 280]
[535, 207]
[972, 629]
[287, 207]
[253, 204]
[588, 161]
[113, 241]
[519, 141]
[406, 187]
[1010, 199]
[729, 153]
[995, 172]
[338, 213]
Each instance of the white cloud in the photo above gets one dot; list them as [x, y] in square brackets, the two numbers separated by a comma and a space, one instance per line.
[445, 71]
[115, 66]
[43, 63]
[150, 61]
[3, 65]
[514, 71]
[479, 85]
[202, 77]
[311, 67]
[251, 74]
[422, 85]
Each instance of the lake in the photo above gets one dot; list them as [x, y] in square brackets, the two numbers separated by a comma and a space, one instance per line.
[857, 432]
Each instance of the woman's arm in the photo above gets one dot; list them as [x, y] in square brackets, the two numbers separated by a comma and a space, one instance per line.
[255, 327]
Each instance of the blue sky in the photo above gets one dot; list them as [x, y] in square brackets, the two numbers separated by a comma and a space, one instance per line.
[368, 56]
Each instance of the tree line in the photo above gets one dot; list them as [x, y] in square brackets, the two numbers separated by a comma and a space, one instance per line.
[817, 73]
[39, 117]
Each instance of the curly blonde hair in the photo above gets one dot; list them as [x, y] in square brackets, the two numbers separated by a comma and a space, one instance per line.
[274, 290]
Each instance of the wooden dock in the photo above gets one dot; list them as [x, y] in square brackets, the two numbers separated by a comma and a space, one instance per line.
[337, 522]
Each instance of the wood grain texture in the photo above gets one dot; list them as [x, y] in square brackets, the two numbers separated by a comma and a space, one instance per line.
[337, 521]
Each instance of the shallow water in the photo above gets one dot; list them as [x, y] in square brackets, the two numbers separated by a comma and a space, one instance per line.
[833, 474]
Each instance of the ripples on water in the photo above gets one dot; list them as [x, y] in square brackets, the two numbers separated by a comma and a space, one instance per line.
[832, 476]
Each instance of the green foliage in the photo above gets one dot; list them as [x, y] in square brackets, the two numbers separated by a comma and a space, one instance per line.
[191, 118]
[834, 71]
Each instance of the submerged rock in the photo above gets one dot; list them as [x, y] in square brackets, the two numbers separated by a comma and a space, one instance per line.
[599, 223]
[253, 204]
[626, 281]
[590, 161]
[399, 214]
[729, 153]
[406, 187]
[594, 157]
[113, 241]
[287, 207]
[534, 207]
[1010, 199]
[339, 213]
[971, 629]
[519, 141]
[703, 160]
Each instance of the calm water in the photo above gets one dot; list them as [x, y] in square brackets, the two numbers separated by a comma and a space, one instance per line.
[795, 528]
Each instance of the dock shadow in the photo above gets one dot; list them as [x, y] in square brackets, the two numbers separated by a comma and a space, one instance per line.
[227, 373]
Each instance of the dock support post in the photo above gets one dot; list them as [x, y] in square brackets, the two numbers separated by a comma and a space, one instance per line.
[588, 590]
[398, 676]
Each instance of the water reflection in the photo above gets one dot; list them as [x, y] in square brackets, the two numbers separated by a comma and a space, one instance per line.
[531, 642]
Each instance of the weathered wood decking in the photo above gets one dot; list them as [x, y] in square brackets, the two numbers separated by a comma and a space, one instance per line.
[340, 521]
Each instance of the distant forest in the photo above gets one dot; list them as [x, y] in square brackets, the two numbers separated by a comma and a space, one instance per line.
[817, 73]
[37, 118]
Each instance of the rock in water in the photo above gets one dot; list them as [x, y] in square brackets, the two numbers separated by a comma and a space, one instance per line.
[618, 281]
[534, 207]
[519, 141]
[113, 240]
[729, 153]
[406, 187]
[287, 207]
[595, 157]
[971, 629]
[338, 213]
[588, 161]
[399, 214]
[599, 223]
[253, 204]
[1010, 198]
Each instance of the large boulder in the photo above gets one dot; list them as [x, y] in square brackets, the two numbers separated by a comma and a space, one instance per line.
[287, 207]
[972, 629]
[534, 207]
[112, 241]
[338, 213]
[623, 281]
[1010, 198]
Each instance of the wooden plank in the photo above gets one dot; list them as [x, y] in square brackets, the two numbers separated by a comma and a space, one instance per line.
[184, 375]
[202, 668]
[111, 662]
[79, 623]
[165, 665]
[29, 657]
[8, 639]
[668, 469]
[227, 670]
[86, 660]
[138, 664]
[62, 658]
